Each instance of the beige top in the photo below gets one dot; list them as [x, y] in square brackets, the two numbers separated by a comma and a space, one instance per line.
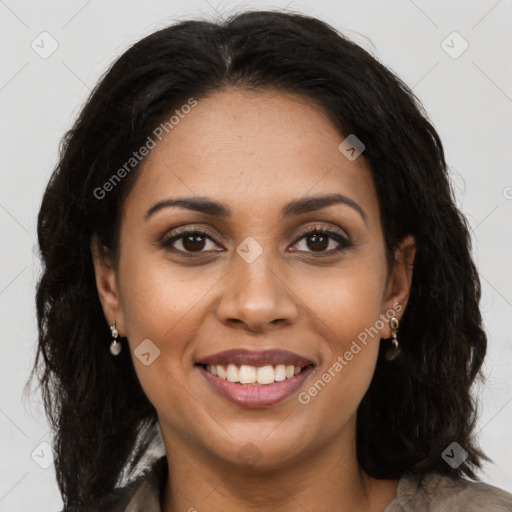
[428, 493]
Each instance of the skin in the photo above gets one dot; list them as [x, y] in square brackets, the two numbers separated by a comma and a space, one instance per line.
[255, 151]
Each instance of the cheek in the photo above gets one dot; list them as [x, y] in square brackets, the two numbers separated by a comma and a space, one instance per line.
[346, 308]
[347, 300]
[163, 306]
[158, 296]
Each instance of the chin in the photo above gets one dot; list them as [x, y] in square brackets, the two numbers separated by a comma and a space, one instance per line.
[262, 451]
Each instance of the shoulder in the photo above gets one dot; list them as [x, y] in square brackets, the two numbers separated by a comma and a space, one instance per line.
[434, 492]
[140, 495]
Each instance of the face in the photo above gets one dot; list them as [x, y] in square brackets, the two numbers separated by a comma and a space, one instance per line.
[267, 269]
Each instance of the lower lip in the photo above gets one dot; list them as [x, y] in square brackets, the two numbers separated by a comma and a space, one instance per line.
[256, 395]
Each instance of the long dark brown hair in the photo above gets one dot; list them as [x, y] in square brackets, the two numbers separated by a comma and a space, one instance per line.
[416, 405]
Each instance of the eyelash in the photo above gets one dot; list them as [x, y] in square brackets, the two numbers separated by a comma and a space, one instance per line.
[173, 236]
[343, 242]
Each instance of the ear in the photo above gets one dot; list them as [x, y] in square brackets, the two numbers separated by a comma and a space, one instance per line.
[399, 282]
[106, 284]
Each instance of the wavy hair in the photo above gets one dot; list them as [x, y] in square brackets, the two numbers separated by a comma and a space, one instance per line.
[416, 405]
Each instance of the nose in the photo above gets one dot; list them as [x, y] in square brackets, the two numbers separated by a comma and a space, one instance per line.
[256, 298]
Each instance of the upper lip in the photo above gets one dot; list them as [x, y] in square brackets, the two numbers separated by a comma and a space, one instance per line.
[256, 358]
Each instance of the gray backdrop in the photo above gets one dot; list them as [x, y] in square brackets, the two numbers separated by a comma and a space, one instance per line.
[455, 55]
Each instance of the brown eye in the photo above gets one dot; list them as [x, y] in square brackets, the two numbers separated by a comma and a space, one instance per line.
[189, 241]
[318, 242]
[193, 242]
[320, 239]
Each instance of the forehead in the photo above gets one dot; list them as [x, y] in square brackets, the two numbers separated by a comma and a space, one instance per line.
[248, 148]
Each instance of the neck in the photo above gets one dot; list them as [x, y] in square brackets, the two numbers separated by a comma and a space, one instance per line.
[328, 479]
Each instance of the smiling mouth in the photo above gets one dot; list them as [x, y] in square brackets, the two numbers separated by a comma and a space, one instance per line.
[254, 375]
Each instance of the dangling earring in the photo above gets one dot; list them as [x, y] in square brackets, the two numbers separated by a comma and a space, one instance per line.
[394, 350]
[115, 347]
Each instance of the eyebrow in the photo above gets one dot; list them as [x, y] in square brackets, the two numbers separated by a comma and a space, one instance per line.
[295, 207]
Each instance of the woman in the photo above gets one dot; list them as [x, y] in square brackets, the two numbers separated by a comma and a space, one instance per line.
[250, 246]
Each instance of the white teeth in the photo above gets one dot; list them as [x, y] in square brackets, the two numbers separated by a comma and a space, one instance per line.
[220, 371]
[265, 375]
[246, 374]
[233, 374]
[280, 372]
